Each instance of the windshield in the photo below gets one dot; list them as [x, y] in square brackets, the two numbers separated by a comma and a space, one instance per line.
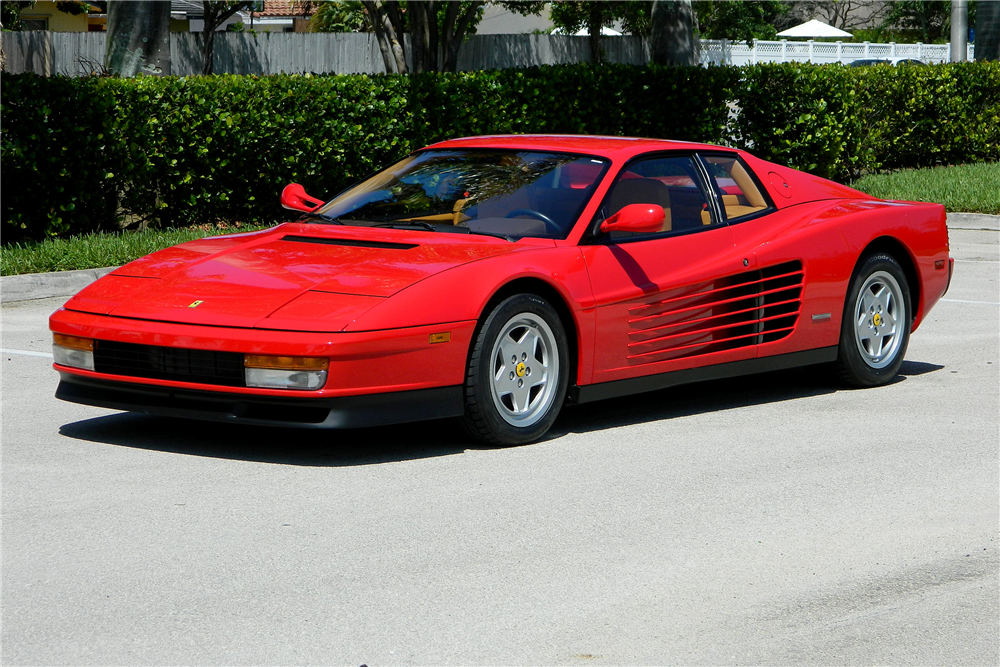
[505, 193]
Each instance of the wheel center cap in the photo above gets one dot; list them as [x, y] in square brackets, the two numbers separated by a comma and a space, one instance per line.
[877, 319]
[519, 369]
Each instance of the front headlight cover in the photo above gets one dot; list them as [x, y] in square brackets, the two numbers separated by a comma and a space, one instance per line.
[301, 373]
[73, 351]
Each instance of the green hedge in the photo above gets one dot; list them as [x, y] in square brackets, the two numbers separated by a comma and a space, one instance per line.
[802, 116]
[61, 156]
[94, 153]
[926, 116]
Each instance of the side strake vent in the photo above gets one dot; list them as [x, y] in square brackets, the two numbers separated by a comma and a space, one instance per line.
[354, 243]
[735, 311]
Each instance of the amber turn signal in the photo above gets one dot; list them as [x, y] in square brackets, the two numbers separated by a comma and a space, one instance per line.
[73, 342]
[286, 363]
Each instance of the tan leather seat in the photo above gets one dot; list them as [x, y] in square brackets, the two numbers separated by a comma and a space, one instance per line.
[749, 202]
[639, 191]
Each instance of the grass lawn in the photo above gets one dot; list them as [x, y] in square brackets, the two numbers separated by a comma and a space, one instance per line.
[92, 251]
[973, 188]
[969, 188]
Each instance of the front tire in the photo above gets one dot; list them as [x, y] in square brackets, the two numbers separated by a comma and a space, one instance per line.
[518, 372]
[876, 326]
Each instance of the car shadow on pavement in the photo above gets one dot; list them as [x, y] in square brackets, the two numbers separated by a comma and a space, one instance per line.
[262, 444]
[914, 368]
[712, 396]
[403, 442]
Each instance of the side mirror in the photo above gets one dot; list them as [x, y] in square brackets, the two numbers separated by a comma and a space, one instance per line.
[636, 218]
[294, 198]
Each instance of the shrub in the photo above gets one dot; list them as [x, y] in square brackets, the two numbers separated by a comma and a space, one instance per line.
[221, 148]
[666, 102]
[926, 116]
[91, 153]
[804, 116]
[61, 161]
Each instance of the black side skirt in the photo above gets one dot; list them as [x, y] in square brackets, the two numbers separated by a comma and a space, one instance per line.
[374, 409]
[596, 392]
[343, 412]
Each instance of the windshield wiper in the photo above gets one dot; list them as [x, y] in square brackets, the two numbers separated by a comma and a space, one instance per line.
[408, 224]
[319, 216]
[477, 232]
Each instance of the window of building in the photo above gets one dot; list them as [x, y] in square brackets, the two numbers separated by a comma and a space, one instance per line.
[34, 24]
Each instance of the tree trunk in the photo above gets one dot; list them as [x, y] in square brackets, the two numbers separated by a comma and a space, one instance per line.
[988, 31]
[215, 14]
[208, 40]
[672, 40]
[454, 32]
[594, 24]
[394, 20]
[423, 35]
[138, 38]
[375, 19]
[388, 26]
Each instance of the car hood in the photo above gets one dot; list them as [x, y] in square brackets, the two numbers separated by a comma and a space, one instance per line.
[295, 276]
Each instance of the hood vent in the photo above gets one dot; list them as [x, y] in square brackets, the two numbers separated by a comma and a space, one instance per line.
[736, 311]
[353, 243]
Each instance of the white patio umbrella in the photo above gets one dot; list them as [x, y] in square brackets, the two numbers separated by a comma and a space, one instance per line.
[605, 32]
[814, 28]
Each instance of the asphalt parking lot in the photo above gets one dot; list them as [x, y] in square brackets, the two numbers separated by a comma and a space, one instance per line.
[776, 519]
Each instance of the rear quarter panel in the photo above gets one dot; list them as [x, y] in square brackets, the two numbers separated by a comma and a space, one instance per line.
[830, 237]
[921, 230]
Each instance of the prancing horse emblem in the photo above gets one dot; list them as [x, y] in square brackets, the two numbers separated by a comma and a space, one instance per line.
[195, 304]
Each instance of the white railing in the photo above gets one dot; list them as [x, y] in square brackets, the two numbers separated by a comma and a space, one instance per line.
[725, 52]
[78, 53]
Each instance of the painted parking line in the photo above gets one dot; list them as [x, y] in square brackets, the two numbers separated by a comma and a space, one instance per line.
[26, 353]
[982, 303]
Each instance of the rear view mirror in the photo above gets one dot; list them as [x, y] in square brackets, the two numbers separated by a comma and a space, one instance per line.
[641, 218]
[294, 198]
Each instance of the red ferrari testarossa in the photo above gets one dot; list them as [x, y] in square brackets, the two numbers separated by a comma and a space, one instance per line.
[497, 278]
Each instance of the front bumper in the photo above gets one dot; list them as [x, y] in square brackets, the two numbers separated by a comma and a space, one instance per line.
[303, 412]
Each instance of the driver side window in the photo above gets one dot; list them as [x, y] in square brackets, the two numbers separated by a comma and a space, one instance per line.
[670, 182]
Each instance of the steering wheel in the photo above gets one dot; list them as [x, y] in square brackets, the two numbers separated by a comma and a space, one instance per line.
[550, 225]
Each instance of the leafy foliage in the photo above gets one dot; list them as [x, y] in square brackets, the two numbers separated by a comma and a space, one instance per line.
[930, 18]
[10, 13]
[62, 156]
[73, 7]
[562, 100]
[96, 153]
[803, 116]
[339, 16]
[573, 15]
[743, 20]
[924, 116]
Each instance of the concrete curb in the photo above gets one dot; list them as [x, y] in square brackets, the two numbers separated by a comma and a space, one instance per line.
[975, 221]
[32, 286]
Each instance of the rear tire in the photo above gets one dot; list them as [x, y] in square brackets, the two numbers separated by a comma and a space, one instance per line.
[876, 326]
[518, 372]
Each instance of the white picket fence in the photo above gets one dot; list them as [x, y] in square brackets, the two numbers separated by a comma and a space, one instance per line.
[725, 52]
[79, 53]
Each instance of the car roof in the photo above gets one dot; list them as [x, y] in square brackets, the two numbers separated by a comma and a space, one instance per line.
[610, 147]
